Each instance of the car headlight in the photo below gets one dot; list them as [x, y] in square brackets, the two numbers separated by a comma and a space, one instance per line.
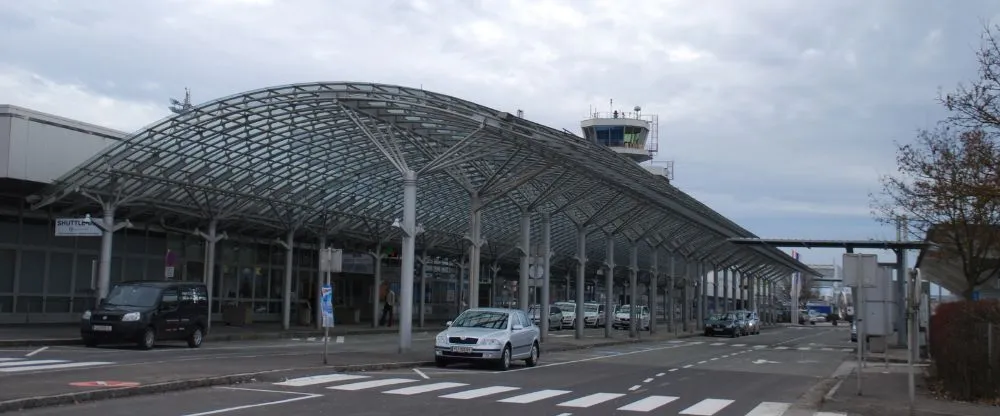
[130, 317]
[441, 339]
[490, 341]
[86, 315]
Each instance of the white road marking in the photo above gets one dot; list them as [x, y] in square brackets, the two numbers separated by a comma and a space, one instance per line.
[417, 370]
[565, 414]
[702, 362]
[340, 339]
[669, 347]
[707, 407]
[672, 369]
[660, 374]
[647, 404]
[781, 348]
[302, 396]
[409, 391]
[634, 388]
[847, 349]
[829, 414]
[535, 396]
[769, 409]
[804, 348]
[311, 339]
[648, 380]
[676, 341]
[717, 343]
[716, 358]
[725, 356]
[827, 349]
[759, 346]
[587, 401]
[485, 391]
[52, 366]
[739, 345]
[322, 379]
[9, 359]
[372, 383]
[36, 351]
[688, 366]
[696, 342]
[31, 362]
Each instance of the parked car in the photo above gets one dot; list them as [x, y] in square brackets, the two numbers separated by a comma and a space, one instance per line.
[493, 335]
[750, 321]
[594, 315]
[569, 314]
[145, 312]
[623, 317]
[555, 316]
[723, 324]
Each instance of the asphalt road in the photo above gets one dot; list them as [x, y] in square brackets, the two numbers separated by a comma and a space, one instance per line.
[760, 375]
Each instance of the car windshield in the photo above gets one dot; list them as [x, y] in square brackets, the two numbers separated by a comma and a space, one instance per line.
[481, 319]
[590, 308]
[623, 309]
[566, 306]
[133, 295]
[717, 317]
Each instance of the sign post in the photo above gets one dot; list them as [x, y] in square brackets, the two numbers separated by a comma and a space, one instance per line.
[331, 261]
[860, 272]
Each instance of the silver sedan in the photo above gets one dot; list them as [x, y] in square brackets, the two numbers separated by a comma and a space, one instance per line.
[493, 335]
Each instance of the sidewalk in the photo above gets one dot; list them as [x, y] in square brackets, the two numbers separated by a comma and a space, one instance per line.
[69, 334]
[53, 388]
[885, 392]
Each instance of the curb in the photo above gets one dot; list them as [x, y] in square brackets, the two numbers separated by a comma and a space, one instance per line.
[225, 380]
[10, 343]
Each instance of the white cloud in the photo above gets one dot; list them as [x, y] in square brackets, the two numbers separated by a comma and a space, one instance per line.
[26, 89]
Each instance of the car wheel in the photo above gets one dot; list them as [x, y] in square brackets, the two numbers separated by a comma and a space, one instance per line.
[197, 336]
[533, 358]
[89, 342]
[504, 363]
[440, 362]
[733, 334]
[148, 339]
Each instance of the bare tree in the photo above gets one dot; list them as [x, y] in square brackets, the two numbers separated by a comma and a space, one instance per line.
[976, 105]
[947, 187]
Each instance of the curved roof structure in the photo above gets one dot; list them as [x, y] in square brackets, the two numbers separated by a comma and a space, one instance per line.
[325, 156]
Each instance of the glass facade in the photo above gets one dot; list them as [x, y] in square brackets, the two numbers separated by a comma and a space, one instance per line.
[44, 278]
[617, 136]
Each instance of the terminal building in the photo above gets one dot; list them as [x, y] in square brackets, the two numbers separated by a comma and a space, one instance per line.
[49, 262]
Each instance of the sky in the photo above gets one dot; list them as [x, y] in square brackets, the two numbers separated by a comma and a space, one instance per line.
[781, 115]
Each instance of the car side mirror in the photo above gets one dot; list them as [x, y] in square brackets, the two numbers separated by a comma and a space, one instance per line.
[517, 327]
[447, 323]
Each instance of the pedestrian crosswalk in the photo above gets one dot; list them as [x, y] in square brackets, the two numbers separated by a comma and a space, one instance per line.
[21, 365]
[560, 399]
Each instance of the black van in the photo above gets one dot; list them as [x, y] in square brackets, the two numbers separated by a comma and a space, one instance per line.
[147, 311]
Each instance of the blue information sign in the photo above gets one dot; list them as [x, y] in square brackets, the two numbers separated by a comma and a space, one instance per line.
[327, 305]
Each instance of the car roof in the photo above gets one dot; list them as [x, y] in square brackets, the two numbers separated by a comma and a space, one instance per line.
[505, 310]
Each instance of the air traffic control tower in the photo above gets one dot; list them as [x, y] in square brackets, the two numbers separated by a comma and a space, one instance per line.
[630, 134]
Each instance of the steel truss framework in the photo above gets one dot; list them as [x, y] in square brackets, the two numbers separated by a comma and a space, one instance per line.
[323, 158]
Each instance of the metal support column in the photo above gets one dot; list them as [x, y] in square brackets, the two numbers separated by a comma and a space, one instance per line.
[475, 249]
[523, 283]
[715, 289]
[654, 275]
[410, 231]
[671, 292]
[546, 278]
[703, 309]
[423, 286]
[609, 284]
[581, 259]
[633, 280]
[108, 228]
[686, 296]
[210, 240]
[725, 290]
[320, 280]
[377, 256]
[286, 291]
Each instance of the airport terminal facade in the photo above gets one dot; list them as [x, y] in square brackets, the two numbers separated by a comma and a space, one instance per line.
[47, 277]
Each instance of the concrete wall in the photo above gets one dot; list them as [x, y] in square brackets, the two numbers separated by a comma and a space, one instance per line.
[40, 147]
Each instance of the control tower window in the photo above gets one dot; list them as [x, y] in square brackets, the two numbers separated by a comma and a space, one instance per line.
[619, 136]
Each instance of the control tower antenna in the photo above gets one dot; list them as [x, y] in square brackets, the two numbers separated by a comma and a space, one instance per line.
[178, 107]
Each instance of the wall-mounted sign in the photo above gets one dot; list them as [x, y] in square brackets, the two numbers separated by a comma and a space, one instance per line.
[77, 227]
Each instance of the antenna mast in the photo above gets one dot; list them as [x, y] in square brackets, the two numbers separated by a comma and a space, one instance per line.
[178, 107]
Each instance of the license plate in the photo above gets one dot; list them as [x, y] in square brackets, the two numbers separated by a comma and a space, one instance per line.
[102, 328]
[461, 349]
[719, 329]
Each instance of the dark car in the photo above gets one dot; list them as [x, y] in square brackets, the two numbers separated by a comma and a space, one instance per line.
[144, 312]
[723, 324]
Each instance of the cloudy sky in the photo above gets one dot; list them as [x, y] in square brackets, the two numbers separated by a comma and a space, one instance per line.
[779, 114]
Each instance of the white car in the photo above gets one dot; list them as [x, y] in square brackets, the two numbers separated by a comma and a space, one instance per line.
[593, 315]
[493, 335]
[623, 317]
[569, 314]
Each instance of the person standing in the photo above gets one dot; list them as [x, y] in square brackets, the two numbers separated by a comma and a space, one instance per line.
[390, 301]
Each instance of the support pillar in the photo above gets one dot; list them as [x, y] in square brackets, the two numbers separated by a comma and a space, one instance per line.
[609, 284]
[475, 249]
[725, 290]
[703, 300]
[108, 228]
[377, 256]
[633, 281]
[546, 269]
[523, 283]
[581, 259]
[715, 289]
[210, 240]
[318, 310]
[654, 275]
[286, 292]
[407, 258]
[671, 292]
[423, 286]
